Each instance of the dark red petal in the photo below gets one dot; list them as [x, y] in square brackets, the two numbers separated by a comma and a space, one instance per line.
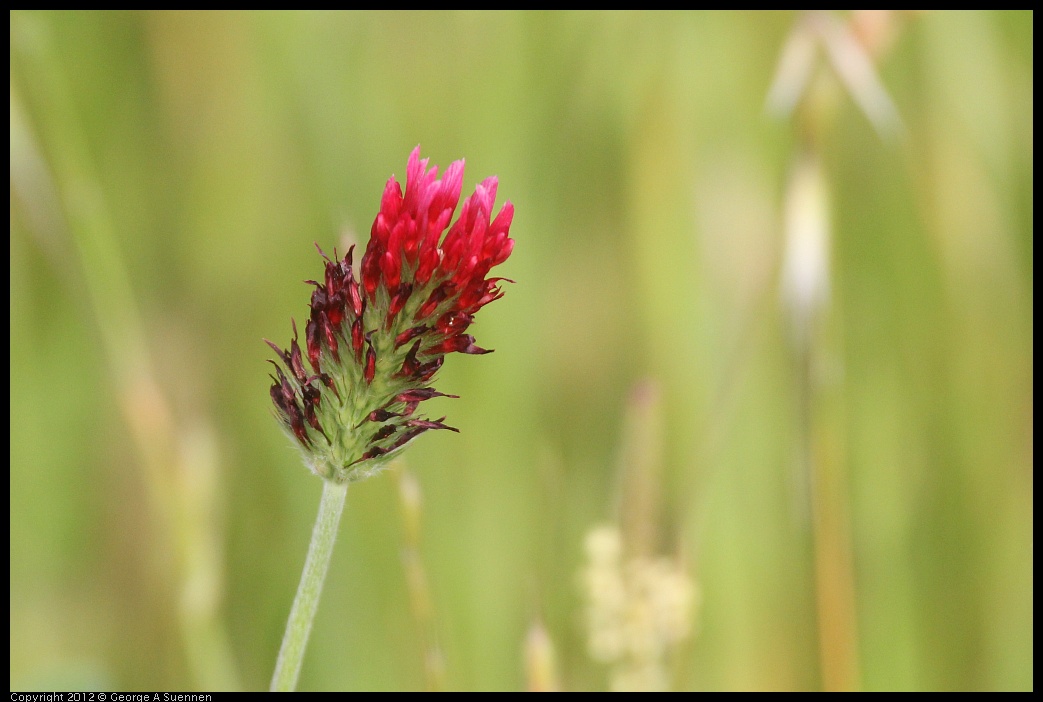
[282, 354]
[297, 424]
[371, 269]
[326, 380]
[427, 370]
[410, 365]
[312, 339]
[420, 394]
[381, 415]
[453, 322]
[357, 338]
[391, 267]
[409, 334]
[331, 337]
[434, 300]
[335, 309]
[464, 343]
[383, 433]
[296, 361]
[407, 436]
[371, 453]
[431, 424]
[371, 360]
[277, 399]
[355, 297]
[398, 302]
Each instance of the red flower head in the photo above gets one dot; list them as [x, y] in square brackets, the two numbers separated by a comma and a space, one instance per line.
[375, 343]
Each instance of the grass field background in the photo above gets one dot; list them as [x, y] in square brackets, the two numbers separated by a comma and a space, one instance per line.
[850, 496]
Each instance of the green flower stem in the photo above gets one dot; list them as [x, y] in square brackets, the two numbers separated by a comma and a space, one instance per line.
[298, 628]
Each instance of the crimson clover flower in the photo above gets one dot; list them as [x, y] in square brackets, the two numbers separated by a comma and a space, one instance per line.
[375, 342]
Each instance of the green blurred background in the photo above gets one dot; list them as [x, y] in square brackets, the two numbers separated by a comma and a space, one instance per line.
[853, 503]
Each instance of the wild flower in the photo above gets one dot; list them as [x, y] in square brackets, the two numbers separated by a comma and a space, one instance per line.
[374, 342]
[376, 336]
